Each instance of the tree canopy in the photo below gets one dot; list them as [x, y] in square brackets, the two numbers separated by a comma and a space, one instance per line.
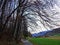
[18, 16]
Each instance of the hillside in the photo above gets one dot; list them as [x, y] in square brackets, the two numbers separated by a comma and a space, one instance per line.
[47, 33]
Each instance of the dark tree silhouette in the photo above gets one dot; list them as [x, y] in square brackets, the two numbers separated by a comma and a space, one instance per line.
[18, 21]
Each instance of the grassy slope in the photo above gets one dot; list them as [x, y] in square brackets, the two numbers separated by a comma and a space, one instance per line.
[45, 41]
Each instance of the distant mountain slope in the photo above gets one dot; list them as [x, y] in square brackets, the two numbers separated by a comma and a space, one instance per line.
[53, 32]
[47, 33]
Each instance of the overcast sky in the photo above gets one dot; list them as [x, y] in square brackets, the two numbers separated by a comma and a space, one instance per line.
[40, 27]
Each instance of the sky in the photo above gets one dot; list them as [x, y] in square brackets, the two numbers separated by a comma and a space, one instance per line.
[40, 27]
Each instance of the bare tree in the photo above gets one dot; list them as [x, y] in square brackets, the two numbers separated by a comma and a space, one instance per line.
[18, 21]
[19, 16]
[45, 18]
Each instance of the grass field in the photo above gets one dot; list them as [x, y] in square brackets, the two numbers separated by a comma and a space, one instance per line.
[46, 41]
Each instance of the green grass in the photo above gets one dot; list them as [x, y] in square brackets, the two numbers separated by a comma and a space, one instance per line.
[45, 41]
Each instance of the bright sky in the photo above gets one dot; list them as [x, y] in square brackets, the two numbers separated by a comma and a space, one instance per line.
[40, 27]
